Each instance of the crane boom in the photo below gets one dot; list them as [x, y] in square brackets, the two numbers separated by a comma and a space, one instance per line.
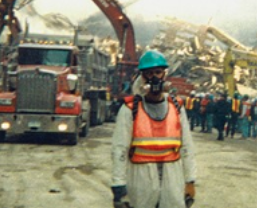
[122, 26]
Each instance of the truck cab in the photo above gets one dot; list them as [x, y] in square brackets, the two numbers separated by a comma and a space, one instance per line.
[45, 93]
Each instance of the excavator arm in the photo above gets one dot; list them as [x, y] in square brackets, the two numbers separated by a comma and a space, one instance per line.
[123, 29]
[111, 8]
[124, 72]
[7, 18]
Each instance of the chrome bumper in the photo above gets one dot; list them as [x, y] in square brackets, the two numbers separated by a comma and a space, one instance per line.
[21, 123]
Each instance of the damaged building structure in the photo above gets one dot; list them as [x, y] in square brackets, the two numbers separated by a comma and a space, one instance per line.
[207, 57]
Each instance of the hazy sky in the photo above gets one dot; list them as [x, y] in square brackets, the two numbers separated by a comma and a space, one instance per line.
[194, 10]
[231, 15]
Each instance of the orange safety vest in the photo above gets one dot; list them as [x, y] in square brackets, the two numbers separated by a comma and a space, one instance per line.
[189, 103]
[155, 141]
[180, 100]
[235, 105]
[248, 109]
[203, 104]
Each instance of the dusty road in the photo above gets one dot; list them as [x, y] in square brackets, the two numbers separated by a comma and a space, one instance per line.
[48, 175]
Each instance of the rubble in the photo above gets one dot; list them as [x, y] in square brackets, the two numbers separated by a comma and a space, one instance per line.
[197, 52]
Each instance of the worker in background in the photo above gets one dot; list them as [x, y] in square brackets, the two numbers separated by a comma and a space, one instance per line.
[209, 113]
[245, 116]
[203, 105]
[195, 119]
[152, 147]
[189, 103]
[250, 126]
[221, 112]
[253, 115]
[235, 112]
[197, 105]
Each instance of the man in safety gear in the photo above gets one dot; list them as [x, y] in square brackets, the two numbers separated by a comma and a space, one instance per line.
[244, 116]
[152, 147]
[235, 112]
[189, 104]
[221, 111]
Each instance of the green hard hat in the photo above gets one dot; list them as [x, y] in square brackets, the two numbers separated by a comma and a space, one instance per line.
[236, 93]
[151, 59]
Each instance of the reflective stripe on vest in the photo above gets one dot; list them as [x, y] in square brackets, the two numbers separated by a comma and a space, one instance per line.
[235, 105]
[189, 103]
[156, 141]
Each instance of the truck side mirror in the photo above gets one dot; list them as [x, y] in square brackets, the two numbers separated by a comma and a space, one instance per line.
[72, 82]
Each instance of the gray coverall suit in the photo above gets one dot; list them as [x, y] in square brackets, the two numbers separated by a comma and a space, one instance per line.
[145, 189]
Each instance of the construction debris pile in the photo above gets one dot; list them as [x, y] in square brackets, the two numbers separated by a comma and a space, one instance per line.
[197, 53]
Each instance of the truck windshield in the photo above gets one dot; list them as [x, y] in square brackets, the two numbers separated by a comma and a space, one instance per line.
[39, 56]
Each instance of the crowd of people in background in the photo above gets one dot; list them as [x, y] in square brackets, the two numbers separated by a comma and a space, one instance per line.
[228, 115]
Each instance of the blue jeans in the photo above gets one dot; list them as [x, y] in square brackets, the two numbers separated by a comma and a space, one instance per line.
[254, 129]
[209, 121]
[245, 127]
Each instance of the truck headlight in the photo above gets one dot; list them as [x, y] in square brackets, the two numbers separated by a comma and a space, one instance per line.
[67, 104]
[5, 125]
[5, 101]
[62, 127]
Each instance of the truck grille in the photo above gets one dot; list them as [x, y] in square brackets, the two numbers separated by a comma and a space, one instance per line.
[36, 92]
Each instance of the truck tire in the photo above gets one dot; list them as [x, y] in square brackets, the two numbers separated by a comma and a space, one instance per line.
[72, 138]
[84, 130]
[101, 112]
[2, 136]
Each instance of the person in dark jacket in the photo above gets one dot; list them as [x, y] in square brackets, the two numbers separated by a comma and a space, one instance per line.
[221, 112]
[209, 114]
[204, 102]
[253, 115]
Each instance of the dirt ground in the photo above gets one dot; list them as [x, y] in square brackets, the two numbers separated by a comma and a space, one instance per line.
[48, 175]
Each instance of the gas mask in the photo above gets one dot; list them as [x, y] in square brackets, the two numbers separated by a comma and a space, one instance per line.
[153, 85]
[156, 85]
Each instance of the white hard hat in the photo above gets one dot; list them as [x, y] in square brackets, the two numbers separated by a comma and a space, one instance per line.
[202, 94]
[192, 92]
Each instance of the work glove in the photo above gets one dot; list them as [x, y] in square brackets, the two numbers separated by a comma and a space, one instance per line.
[190, 189]
[189, 194]
[119, 192]
[120, 199]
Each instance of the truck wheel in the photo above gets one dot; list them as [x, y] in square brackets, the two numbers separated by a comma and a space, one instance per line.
[84, 130]
[2, 136]
[72, 138]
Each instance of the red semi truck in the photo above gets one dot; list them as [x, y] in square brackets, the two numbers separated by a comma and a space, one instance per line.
[57, 87]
